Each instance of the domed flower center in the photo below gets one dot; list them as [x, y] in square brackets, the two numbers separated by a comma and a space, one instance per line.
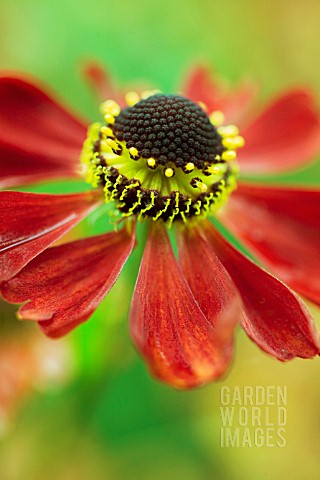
[169, 128]
[162, 157]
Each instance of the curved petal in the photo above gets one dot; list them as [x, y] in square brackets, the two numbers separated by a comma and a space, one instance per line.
[212, 288]
[100, 82]
[22, 168]
[38, 137]
[282, 227]
[65, 284]
[274, 316]
[284, 136]
[166, 322]
[200, 85]
[30, 222]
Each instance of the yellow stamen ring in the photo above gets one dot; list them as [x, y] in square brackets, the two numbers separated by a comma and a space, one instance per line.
[146, 187]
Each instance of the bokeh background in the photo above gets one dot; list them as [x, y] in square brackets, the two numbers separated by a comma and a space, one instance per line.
[85, 407]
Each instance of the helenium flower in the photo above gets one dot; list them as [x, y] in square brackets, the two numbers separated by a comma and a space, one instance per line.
[168, 161]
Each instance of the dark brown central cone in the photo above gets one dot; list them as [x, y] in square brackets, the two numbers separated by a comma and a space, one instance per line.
[169, 128]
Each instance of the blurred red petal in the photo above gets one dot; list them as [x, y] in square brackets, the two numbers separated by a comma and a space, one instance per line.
[38, 137]
[212, 288]
[166, 322]
[65, 284]
[29, 223]
[285, 135]
[200, 85]
[274, 316]
[100, 81]
[281, 225]
[22, 168]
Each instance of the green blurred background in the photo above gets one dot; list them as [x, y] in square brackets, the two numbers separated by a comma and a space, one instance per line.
[98, 414]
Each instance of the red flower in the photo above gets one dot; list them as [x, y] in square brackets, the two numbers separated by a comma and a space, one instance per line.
[161, 160]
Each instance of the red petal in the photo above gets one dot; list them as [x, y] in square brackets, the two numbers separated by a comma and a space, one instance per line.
[38, 137]
[201, 86]
[167, 324]
[275, 318]
[282, 227]
[100, 81]
[212, 288]
[22, 168]
[286, 135]
[29, 223]
[65, 284]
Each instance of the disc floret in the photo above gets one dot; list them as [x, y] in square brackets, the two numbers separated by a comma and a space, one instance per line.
[162, 157]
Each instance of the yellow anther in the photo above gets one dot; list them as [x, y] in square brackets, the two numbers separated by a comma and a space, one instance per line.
[132, 98]
[189, 167]
[109, 118]
[229, 155]
[111, 107]
[239, 141]
[133, 151]
[213, 169]
[233, 143]
[228, 143]
[151, 162]
[104, 148]
[169, 172]
[197, 183]
[228, 131]
[202, 187]
[217, 118]
[107, 131]
[203, 106]
[149, 93]
[112, 144]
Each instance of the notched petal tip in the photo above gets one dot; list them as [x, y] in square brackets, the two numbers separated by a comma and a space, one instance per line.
[280, 224]
[65, 284]
[275, 318]
[172, 333]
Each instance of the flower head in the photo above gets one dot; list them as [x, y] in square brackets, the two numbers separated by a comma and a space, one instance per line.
[161, 158]
[166, 160]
